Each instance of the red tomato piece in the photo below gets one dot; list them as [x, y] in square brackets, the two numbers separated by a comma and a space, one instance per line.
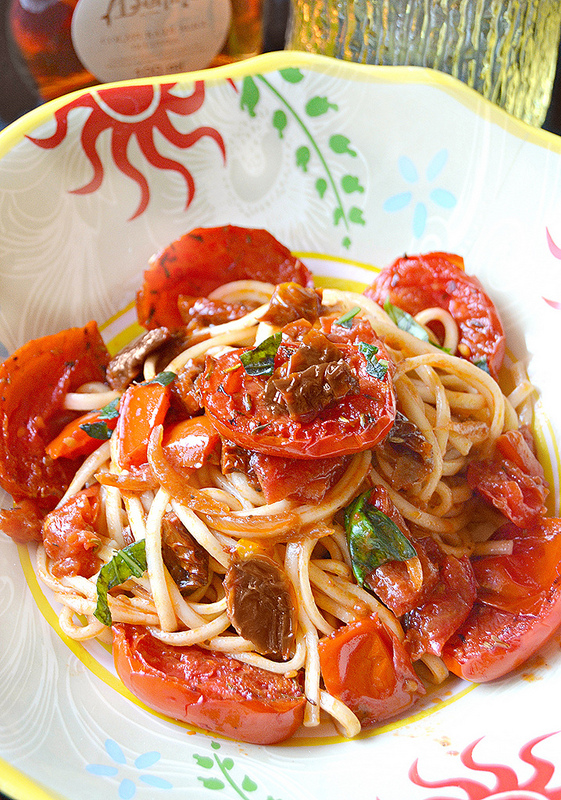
[239, 410]
[513, 481]
[391, 581]
[206, 258]
[519, 582]
[519, 605]
[34, 381]
[208, 689]
[307, 481]
[441, 613]
[189, 444]
[70, 536]
[143, 406]
[367, 668]
[24, 522]
[73, 441]
[414, 283]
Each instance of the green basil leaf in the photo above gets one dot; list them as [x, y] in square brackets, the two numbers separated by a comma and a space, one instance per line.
[261, 360]
[164, 378]
[373, 538]
[346, 320]
[97, 430]
[374, 366]
[482, 364]
[111, 410]
[405, 321]
[126, 563]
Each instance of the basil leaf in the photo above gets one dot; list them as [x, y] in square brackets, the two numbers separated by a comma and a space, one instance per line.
[126, 563]
[164, 378]
[261, 360]
[373, 538]
[374, 366]
[346, 320]
[111, 410]
[405, 321]
[482, 364]
[97, 430]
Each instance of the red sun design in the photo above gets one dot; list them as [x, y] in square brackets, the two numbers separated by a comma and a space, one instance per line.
[506, 786]
[139, 112]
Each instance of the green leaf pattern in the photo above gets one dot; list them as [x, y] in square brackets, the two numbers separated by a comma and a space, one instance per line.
[313, 156]
[224, 777]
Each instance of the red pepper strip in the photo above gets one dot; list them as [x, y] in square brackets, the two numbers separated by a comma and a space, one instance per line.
[143, 407]
[175, 483]
[189, 444]
[73, 441]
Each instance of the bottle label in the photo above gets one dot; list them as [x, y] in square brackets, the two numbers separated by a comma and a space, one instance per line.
[120, 39]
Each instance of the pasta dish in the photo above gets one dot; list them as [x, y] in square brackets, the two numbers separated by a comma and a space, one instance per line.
[283, 504]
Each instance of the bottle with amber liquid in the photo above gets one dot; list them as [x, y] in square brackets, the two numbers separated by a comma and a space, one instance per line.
[71, 44]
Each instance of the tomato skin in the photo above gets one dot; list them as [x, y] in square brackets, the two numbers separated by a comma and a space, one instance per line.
[207, 689]
[23, 523]
[73, 441]
[520, 581]
[70, 537]
[235, 403]
[366, 667]
[513, 480]
[305, 480]
[519, 607]
[445, 608]
[414, 283]
[189, 444]
[206, 258]
[33, 383]
[142, 408]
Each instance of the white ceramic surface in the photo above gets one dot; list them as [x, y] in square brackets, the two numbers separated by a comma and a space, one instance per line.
[349, 166]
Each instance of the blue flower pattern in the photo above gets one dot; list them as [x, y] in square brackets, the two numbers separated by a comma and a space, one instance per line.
[417, 196]
[127, 787]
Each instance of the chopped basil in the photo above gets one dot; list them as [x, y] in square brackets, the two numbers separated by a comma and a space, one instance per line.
[405, 322]
[483, 364]
[261, 360]
[97, 430]
[126, 563]
[100, 429]
[111, 410]
[164, 378]
[373, 538]
[375, 367]
[346, 320]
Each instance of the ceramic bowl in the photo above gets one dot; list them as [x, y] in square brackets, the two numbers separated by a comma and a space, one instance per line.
[349, 166]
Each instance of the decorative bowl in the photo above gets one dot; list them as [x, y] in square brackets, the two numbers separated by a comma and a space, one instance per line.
[349, 166]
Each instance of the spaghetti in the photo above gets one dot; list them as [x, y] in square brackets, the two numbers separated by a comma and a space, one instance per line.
[313, 520]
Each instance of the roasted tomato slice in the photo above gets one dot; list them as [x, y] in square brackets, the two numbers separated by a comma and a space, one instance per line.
[513, 481]
[366, 667]
[519, 604]
[70, 536]
[206, 258]
[305, 480]
[34, 381]
[414, 283]
[442, 612]
[281, 414]
[208, 689]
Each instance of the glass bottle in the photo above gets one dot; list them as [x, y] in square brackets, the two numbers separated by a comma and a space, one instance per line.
[71, 44]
